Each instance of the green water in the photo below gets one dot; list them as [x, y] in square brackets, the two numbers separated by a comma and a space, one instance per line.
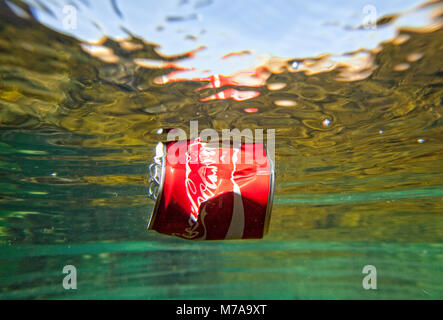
[77, 133]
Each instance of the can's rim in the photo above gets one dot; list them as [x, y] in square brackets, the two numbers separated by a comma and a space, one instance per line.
[270, 194]
[160, 155]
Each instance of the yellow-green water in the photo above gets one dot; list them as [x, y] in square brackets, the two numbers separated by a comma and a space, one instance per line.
[77, 133]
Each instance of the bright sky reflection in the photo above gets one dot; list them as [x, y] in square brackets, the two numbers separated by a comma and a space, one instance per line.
[281, 28]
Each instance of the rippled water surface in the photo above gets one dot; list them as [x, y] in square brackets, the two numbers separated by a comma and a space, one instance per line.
[358, 119]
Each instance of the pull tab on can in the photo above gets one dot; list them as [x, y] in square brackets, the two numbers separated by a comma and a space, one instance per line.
[204, 191]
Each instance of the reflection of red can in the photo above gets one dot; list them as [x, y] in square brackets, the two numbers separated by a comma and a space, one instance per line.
[206, 192]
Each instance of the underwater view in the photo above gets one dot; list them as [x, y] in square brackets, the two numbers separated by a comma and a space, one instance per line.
[353, 90]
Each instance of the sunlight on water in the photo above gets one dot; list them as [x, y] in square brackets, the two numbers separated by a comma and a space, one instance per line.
[358, 119]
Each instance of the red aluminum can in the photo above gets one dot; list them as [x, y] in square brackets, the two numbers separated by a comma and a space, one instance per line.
[210, 192]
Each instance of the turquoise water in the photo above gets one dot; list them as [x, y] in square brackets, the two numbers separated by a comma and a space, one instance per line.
[158, 269]
[78, 130]
[101, 230]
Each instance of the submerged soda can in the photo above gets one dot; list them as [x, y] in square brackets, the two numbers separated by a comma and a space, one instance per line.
[211, 192]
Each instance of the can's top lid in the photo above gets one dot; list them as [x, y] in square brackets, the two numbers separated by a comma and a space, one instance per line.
[156, 177]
